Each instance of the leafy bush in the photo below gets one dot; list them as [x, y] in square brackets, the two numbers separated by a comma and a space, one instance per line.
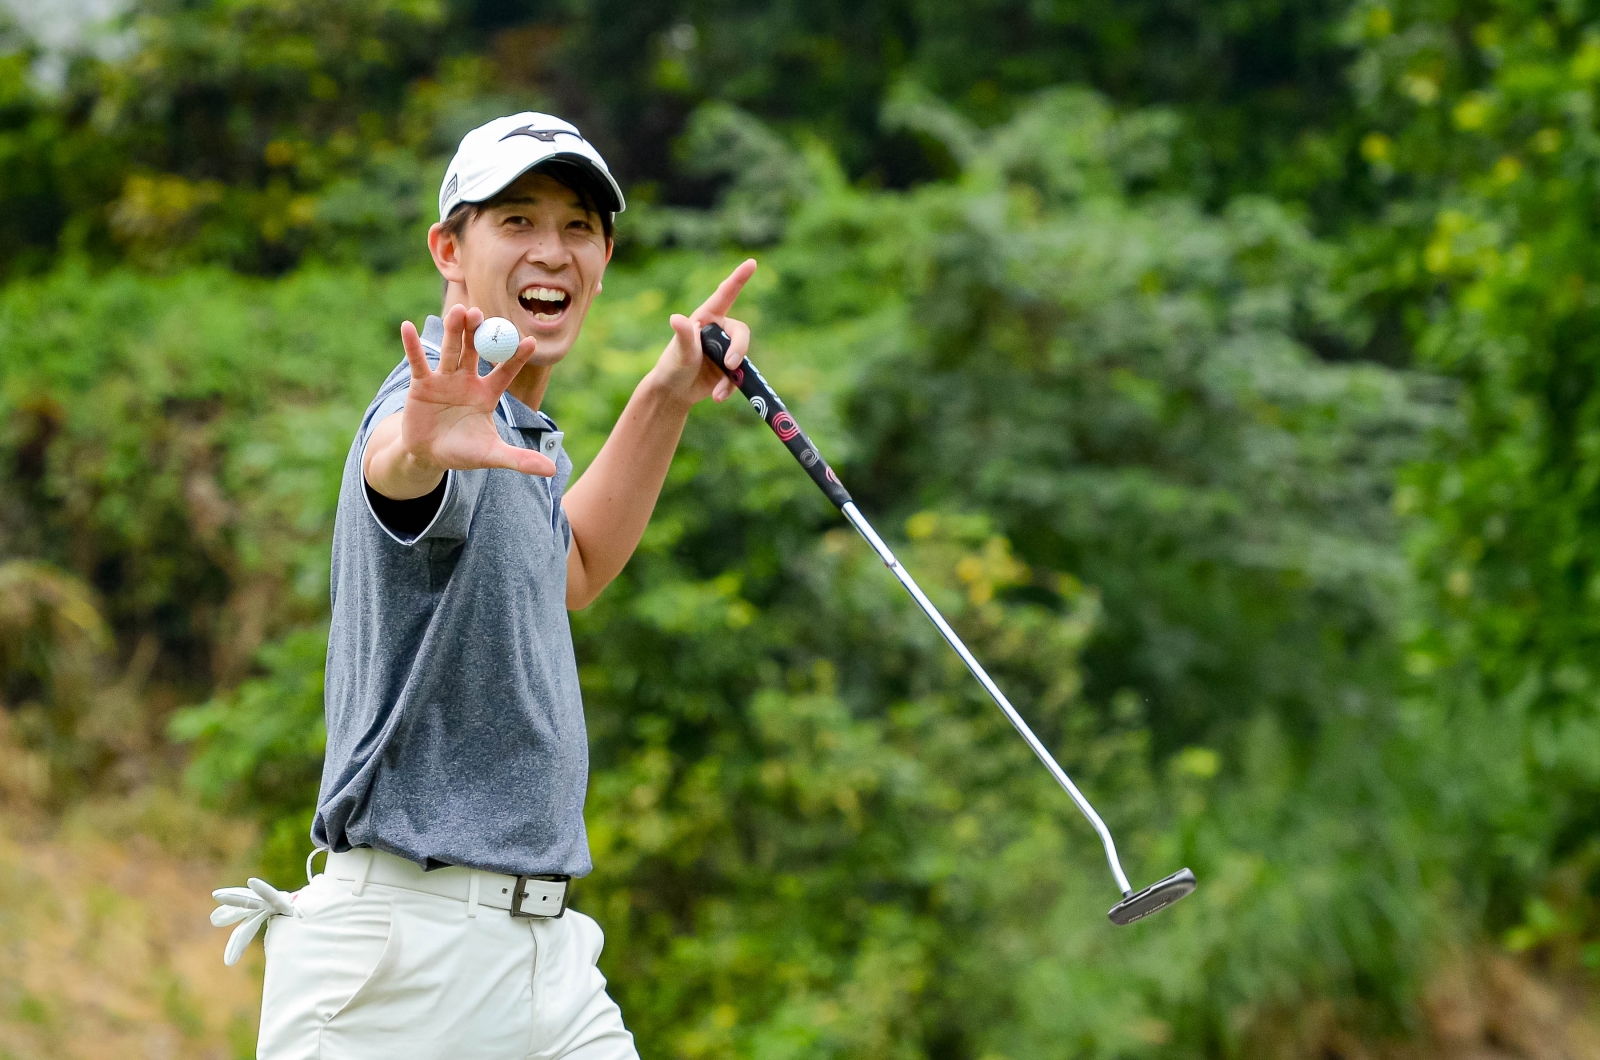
[1490, 139]
[1086, 411]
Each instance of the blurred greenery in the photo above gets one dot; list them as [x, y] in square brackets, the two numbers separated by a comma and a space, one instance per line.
[1225, 371]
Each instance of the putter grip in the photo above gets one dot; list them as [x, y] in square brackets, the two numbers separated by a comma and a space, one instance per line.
[715, 343]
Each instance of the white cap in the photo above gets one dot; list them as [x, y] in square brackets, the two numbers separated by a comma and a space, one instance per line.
[493, 155]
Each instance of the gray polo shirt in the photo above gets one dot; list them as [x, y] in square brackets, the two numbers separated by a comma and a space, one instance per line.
[455, 724]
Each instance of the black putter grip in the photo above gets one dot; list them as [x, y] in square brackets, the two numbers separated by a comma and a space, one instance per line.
[715, 343]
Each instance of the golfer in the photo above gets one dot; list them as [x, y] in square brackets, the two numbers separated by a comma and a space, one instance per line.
[452, 795]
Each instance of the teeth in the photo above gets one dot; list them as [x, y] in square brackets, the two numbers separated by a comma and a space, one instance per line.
[543, 294]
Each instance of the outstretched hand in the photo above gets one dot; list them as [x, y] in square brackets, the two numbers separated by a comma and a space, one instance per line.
[682, 366]
[448, 422]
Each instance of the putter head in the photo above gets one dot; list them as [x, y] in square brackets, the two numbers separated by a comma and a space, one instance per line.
[1153, 898]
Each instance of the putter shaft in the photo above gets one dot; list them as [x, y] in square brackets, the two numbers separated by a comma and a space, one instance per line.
[715, 344]
[859, 521]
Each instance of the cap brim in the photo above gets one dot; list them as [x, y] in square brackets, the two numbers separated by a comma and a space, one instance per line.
[602, 185]
[607, 195]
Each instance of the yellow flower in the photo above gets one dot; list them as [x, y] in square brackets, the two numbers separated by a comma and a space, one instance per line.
[1437, 256]
[1586, 64]
[1473, 111]
[279, 153]
[921, 525]
[1420, 87]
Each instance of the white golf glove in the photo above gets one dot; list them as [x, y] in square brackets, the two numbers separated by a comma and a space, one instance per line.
[249, 907]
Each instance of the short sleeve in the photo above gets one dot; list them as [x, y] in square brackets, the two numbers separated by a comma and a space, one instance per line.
[558, 495]
[564, 527]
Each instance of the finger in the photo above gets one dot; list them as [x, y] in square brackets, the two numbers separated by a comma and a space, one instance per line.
[223, 915]
[450, 348]
[524, 460]
[687, 334]
[415, 355]
[723, 390]
[727, 291]
[276, 900]
[242, 897]
[739, 332]
[507, 370]
[241, 937]
[469, 339]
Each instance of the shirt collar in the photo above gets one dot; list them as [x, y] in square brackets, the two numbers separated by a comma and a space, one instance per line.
[520, 415]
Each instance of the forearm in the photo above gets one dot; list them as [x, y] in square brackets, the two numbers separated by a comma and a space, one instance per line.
[610, 506]
[393, 470]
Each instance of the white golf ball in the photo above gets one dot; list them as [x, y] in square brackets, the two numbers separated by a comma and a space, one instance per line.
[496, 339]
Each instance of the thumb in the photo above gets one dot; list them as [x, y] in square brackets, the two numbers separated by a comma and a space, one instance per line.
[688, 336]
[525, 461]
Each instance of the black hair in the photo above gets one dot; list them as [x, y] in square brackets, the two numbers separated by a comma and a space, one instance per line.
[570, 175]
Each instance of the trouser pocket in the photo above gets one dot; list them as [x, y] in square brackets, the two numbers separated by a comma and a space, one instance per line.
[319, 964]
[448, 987]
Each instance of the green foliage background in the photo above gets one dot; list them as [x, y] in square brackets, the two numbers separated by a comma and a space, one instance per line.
[1225, 371]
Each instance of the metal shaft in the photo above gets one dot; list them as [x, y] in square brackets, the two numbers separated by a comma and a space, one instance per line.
[859, 521]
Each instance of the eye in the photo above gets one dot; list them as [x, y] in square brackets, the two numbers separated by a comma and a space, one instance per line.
[581, 225]
[517, 219]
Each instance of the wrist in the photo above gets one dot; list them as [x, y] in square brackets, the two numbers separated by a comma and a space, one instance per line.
[415, 464]
[660, 389]
[399, 473]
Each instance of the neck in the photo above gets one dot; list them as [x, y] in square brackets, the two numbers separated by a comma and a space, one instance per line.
[530, 384]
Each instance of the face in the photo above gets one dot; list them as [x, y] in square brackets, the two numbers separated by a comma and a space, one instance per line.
[535, 256]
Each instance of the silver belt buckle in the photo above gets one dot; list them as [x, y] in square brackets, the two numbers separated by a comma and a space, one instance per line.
[518, 894]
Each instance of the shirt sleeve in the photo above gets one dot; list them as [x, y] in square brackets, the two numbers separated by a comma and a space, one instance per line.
[564, 527]
[558, 494]
[407, 518]
[453, 516]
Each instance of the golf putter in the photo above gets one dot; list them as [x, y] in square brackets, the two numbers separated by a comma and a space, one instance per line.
[715, 343]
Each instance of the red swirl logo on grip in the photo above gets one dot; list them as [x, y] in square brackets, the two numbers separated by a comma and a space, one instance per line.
[785, 426]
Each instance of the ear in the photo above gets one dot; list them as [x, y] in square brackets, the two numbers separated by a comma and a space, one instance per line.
[446, 251]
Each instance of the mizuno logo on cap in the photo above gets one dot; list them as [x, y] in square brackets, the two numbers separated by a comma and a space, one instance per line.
[543, 135]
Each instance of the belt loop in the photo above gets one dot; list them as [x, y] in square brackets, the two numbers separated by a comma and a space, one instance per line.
[309, 859]
[361, 877]
[472, 893]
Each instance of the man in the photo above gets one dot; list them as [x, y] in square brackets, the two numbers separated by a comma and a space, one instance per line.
[452, 793]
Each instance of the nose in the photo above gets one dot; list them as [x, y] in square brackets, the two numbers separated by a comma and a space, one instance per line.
[547, 248]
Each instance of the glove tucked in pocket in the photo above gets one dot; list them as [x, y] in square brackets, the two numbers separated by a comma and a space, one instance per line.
[249, 907]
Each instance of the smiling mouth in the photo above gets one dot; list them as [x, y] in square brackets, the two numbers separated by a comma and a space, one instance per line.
[545, 303]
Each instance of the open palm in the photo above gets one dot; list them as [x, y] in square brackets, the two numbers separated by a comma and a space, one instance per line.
[448, 420]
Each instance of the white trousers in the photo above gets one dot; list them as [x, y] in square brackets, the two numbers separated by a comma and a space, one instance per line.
[396, 974]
